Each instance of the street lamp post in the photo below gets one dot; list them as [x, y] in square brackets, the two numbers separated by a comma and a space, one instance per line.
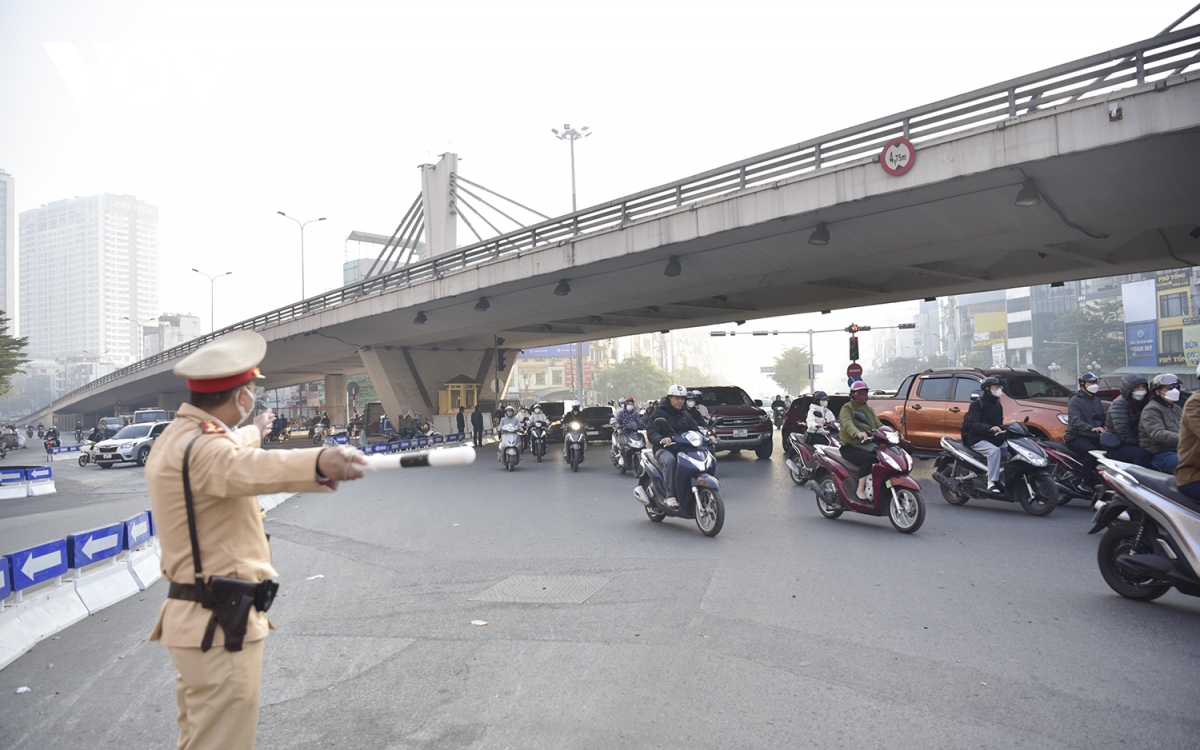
[1075, 344]
[571, 135]
[301, 224]
[141, 335]
[212, 280]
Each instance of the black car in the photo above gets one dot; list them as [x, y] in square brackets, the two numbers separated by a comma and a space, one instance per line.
[597, 422]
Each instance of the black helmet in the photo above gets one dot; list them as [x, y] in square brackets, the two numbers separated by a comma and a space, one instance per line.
[820, 396]
[1088, 377]
[989, 381]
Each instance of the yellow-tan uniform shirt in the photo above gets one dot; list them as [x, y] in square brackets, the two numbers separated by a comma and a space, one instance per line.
[228, 470]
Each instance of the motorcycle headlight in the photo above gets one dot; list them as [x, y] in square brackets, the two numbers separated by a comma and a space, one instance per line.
[575, 425]
[1031, 456]
[1062, 418]
[893, 437]
[887, 458]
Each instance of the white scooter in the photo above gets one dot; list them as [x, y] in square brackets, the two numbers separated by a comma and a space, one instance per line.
[510, 446]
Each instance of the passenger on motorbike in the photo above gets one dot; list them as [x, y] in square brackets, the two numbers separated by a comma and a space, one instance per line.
[1124, 414]
[818, 418]
[1187, 471]
[857, 447]
[983, 428]
[537, 417]
[1158, 429]
[1085, 424]
[672, 409]
[628, 415]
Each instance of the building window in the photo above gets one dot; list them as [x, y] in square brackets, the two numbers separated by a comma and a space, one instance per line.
[1173, 306]
[556, 377]
[1020, 329]
[1172, 341]
[1019, 304]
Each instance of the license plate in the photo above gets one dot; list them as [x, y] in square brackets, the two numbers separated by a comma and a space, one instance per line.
[740, 433]
[593, 432]
[106, 455]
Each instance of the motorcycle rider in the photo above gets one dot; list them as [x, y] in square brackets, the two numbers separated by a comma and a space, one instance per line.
[1187, 471]
[52, 434]
[673, 409]
[693, 408]
[854, 437]
[1124, 414]
[509, 419]
[628, 415]
[778, 402]
[1158, 429]
[983, 426]
[1085, 424]
[818, 418]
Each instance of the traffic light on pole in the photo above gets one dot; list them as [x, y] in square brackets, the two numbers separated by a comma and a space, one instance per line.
[502, 359]
[854, 348]
[904, 326]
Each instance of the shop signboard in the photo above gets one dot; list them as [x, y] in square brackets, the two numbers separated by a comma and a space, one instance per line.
[1141, 344]
[1179, 277]
[1191, 341]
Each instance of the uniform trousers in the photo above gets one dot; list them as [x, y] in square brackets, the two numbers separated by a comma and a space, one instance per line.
[218, 693]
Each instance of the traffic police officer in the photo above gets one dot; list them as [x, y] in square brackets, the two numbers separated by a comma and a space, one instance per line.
[218, 688]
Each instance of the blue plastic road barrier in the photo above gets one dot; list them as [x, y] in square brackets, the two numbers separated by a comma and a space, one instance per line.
[86, 547]
[5, 579]
[12, 476]
[137, 529]
[66, 449]
[38, 472]
[36, 564]
[406, 445]
[438, 439]
[153, 525]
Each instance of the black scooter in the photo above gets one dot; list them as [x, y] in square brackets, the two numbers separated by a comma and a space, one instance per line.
[1024, 474]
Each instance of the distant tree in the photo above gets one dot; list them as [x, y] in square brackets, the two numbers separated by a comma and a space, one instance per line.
[690, 375]
[791, 370]
[636, 376]
[366, 389]
[12, 354]
[893, 372]
[1100, 331]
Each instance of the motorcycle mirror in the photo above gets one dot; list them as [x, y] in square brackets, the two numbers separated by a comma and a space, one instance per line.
[976, 395]
[661, 423]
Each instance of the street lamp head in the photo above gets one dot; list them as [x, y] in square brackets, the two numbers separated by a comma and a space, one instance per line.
[321, 219]
[281, 213]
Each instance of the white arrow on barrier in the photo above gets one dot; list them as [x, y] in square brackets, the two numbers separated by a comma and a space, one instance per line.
[99, 544]
[140, 528]
[37, 563]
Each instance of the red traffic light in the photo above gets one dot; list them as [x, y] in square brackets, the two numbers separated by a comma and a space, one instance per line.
[852, 328]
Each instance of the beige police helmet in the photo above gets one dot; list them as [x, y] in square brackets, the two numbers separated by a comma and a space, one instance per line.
[225, 363]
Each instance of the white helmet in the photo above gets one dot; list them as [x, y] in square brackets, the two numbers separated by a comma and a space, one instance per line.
[574, 404]
[677, 390]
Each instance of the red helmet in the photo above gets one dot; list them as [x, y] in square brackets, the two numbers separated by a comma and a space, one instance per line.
[627, 400]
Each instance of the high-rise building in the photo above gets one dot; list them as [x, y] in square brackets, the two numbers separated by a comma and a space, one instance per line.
[8, 251]
[89, 276]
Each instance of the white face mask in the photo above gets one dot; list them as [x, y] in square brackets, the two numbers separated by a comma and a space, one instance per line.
[691, 404]
[997, 392]
[824, 404]
[244, 414]
[628, 407]
[1092, 388]
[1138, 395]
[1172, 395]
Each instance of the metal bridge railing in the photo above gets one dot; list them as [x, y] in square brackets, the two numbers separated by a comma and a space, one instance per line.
[1148, 61]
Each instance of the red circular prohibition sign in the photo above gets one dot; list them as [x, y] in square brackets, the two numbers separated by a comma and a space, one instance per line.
[898, 156]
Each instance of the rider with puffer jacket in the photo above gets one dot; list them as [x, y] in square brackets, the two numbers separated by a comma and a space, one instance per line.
[1122, 420]
[672, 409]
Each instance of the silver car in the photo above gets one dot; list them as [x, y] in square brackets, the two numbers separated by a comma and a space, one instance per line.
[131, 444]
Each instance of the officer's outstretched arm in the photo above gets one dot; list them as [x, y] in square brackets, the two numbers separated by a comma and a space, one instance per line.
[225, 468]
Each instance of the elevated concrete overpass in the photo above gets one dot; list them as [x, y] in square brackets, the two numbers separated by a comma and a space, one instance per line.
[1102, 153]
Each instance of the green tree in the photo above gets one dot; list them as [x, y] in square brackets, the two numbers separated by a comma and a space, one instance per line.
[636, 376]
[791, 370]
[366, 389]
[1100, 331]
[12, 354]
[690, 375]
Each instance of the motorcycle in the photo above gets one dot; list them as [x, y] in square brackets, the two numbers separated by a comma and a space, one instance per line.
[41, 433]
[891, 490]
[87, 453]
[50, 442]
[803, 460]
[1024, 478]
[627, 445]
[29, 431]
[574, 442]
[1066, 466]
[78, 434]
[1159, 547]
[779, 412]
[696, 473]
[318, 433]
[510, 446]
[537, 440]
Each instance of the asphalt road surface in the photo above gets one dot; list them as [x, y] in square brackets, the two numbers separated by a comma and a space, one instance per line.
[988, 628]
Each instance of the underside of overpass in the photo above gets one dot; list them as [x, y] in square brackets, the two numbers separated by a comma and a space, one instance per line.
[1118, 196]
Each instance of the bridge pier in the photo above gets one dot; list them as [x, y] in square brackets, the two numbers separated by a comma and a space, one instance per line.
[170, 400]
[336, 399]
[413, 378]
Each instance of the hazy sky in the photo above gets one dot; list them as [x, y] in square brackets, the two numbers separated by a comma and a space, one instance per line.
[223, 113]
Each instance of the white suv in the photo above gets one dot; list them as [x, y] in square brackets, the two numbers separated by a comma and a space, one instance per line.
[131, 444]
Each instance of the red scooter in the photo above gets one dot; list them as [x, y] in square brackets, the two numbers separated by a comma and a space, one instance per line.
[803, 461]
[891, 490]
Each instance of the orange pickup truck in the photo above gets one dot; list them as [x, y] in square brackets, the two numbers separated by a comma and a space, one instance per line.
[933, 403]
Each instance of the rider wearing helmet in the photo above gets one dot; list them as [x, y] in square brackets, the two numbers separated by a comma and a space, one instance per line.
[510, 417]
[1085, 423]
[857, 447]
[1158, 429]
[673, 410]
[695, 409]
[778, 403]
[628, 415]
[1124, 414]
[574, 413]
[538, 417]
[819, 418]
[982, 428]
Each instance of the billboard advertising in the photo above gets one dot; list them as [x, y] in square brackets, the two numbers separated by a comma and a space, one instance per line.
[1180, 277]
[1191, 341]
[990, 327]
[1140, 301]
[1141, 343]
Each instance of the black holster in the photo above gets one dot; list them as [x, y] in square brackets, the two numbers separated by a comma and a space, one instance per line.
[231, 600]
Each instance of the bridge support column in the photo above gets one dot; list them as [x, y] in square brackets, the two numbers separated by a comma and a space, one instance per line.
[412, 379]
[170, 400]
[336, 399]
[437, 193]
